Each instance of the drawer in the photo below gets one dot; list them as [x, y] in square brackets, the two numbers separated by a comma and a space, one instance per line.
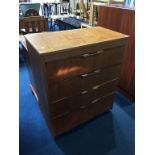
[93, 109]
[71, 86]
[83, 114]
[84, 63]
[61, 107]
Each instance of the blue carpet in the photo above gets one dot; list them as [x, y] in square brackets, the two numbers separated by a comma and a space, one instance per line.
[109, 134]
[35, 138]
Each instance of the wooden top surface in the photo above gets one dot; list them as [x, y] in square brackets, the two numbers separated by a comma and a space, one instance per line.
[47, 42]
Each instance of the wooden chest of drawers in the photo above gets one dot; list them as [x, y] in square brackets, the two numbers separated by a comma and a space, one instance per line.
[74, 73]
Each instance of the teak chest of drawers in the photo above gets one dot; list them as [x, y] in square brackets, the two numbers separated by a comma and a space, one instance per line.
[74, 73]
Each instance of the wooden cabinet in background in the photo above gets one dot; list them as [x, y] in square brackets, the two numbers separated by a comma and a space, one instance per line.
[122, 20]
[74, 73]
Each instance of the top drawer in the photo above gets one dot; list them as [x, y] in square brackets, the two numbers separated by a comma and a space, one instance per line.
[84, 63]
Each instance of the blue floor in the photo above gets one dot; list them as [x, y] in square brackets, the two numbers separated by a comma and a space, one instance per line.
[109, 134]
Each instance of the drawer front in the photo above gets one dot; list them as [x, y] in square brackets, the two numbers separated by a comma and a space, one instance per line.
[83, 114]
[72, 86]
[64, 106]
[84, 63]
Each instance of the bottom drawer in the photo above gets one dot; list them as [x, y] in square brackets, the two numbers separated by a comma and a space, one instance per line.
[83, 114]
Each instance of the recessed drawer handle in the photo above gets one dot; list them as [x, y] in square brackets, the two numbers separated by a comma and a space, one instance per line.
[84, 75]
[94, 101]
[83, 92]
[61, 115]
[95, 87]
[90, 74]
[92, 54]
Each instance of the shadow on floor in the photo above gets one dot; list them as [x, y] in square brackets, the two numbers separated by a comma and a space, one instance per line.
[95, 137]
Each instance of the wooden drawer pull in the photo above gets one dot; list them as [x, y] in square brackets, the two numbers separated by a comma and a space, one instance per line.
[92, 54]
[91, 73]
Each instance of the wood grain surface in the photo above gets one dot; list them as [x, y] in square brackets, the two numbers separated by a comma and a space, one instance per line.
[122, 20]
[48, 42]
